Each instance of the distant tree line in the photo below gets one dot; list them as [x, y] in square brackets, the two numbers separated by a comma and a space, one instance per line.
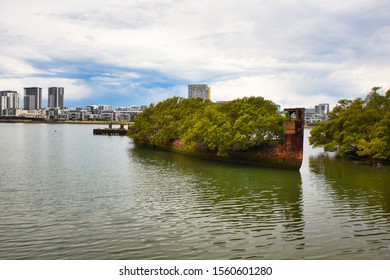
[359, 127]
[230, 126]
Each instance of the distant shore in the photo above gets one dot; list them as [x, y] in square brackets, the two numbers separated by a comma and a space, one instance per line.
[43, 120]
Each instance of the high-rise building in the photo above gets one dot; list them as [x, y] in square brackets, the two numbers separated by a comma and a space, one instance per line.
[322, 109]
[202, 91]
[9, 102]
[32, 98]
[56, 97]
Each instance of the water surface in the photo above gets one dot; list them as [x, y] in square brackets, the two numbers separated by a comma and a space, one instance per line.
[67, 194]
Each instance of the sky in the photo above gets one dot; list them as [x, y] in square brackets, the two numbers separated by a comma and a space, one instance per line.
[297, 53]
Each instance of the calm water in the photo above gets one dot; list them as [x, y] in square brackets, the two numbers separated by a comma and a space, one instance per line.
[66, 194]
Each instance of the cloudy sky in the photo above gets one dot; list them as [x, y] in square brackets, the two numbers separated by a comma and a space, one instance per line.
[126, 52]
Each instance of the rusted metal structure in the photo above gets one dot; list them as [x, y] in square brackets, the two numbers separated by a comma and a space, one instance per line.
[121, 131]
[288, 155]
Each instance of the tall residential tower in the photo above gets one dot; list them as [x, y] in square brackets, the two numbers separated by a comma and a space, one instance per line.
[9, 102]
[56, 97]
[32, 98]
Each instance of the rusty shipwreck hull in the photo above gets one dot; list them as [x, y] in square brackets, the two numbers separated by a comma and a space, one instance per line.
[288, 155]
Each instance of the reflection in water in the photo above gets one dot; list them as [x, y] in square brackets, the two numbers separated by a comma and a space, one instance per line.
[357, 182]
[237, 207]
[71, 195]
[356, 199]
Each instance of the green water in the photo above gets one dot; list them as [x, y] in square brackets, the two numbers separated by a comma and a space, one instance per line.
[66, 194]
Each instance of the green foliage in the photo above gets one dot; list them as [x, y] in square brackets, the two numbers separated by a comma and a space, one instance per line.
[236, 125]
[360, 127]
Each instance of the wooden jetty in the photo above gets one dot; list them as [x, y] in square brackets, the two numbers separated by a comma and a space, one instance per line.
[121, 131]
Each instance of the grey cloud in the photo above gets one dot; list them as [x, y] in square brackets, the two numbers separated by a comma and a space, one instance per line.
[323, 46]
[133, 15]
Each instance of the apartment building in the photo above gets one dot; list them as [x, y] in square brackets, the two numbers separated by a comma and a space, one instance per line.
[199, 91]
[32, 98]
[56, 97]
[9, 103]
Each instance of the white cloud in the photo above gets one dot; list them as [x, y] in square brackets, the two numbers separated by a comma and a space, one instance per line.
[75, 90]
[284, 89]
[14, 67]
[287, 50]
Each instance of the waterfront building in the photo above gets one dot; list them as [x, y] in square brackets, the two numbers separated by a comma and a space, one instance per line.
[94, 109]
[9, 103]
[322, 109]
[105, 107]
[33, 113]
[129, 113]
[77, 114]
[109, 115]
[201, 91]
[93, 112]
[317, 114]
[32, 98]
[56, 97]
[54, 113]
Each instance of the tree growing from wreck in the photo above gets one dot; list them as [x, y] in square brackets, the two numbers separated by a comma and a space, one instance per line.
[230, 126]
[359, 127]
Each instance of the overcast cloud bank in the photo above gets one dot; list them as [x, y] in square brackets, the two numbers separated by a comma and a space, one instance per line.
[296, 53]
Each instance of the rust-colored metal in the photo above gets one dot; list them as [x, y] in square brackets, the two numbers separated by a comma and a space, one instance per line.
[293, 132]
[293, 128]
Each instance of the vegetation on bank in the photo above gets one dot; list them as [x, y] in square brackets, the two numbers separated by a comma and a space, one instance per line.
[359, 127]
[230, 126]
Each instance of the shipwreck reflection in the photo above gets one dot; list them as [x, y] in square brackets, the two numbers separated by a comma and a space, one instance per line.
[259, 205]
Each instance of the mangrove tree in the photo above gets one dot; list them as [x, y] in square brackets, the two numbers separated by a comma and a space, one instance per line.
[229, 126]
[359, 127]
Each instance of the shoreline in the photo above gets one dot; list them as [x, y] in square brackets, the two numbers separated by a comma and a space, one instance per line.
[39, 120]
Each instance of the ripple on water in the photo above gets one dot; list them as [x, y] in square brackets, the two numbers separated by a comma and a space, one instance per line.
[112, 201]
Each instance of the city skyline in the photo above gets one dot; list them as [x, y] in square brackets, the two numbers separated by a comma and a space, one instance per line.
[55, 110]
[131, 52]
[56, 99]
